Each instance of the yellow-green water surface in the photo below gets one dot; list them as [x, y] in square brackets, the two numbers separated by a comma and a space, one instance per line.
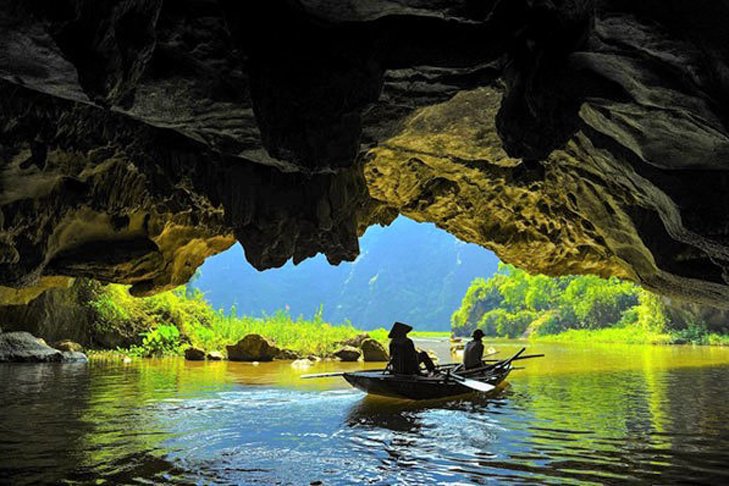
[584, 414]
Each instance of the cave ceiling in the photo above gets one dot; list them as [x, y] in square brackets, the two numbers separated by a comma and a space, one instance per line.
[138, 137]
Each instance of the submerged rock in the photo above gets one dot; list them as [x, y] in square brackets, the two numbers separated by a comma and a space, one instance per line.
[348, 353]
[23, 347]
[74, 357]
[194, 354]
[215, 356]
[69, 346]
[301, 363]
[253, 347]
[373, 350]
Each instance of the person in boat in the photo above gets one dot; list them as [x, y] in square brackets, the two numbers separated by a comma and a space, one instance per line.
[404, 358]
[473, 352]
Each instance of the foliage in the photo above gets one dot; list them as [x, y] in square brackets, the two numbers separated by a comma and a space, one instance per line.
[625, 335]
[515, 303]
[423, 334]
[307, 337]
[160, 341]
[168, 322]
[651, 313]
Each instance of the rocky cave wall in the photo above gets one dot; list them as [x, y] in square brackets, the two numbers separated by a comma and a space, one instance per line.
[138, 137]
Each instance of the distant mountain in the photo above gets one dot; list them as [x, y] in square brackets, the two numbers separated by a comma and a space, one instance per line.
[408, 271]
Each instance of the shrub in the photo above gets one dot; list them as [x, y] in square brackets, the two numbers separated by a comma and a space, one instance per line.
[163, 340]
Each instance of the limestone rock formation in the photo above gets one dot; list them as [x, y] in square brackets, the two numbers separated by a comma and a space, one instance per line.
[23, 347]
[194, 354]
[373, 350]
[74, 357]
[355, 341]
[138, 138]
[288, 354]
[68, 346]
[347, 353]
[253, 347]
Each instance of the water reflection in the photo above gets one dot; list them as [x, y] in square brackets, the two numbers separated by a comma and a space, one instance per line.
[585, 414]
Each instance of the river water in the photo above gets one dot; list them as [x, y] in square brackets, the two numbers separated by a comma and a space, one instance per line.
[585, 414]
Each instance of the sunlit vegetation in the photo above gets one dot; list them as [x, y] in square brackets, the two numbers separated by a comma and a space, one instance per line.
[429, 334]
[514, 303]
[169, 322]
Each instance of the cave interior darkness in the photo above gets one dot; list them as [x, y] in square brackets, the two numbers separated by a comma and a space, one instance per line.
[139, 137]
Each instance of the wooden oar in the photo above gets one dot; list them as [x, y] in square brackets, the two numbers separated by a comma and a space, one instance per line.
[472, 384]
[326, 375]
[341, 373]
[526, 356]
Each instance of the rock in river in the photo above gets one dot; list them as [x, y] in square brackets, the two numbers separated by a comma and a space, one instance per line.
[69, 346]
[348, 353]
[373, 350]
[355, 341]
[74, 357]
[215, 356]
[253, 347]
[288, 354]
[301, 363]
[194, 354]
[23, 347]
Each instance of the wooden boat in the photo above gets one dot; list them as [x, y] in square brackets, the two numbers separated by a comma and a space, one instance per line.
[449, 380]
[441, 385]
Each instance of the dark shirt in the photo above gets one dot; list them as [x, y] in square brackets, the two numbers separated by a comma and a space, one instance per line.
[473, 354]
[403, 357]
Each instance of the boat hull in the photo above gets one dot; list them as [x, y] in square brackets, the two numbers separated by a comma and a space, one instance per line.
[415, 387]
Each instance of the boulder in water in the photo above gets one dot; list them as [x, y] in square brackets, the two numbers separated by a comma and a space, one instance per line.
[23, 347]
[373, 350]
[194, 354]
[74, 357]
[356, 341]
[68, 346]
[253, 347]
[301, 363]
[215, 356]
[348, 353]
[288, 354]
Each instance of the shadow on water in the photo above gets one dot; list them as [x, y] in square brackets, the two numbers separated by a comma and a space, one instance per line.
[405, 415]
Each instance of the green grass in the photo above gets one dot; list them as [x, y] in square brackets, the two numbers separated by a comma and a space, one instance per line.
[636, 335]
[626, 335]
[156, 319]
[429, 334]
[304, 336]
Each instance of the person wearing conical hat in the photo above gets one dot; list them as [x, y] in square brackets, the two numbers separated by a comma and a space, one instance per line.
[473, 352]
[404, 358]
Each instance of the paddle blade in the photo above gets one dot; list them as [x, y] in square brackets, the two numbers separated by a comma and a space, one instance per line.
[474, 385]
[322, 375]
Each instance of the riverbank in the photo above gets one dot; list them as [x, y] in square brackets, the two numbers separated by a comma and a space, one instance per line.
[169, 323]
[583, 309]
[635, 335]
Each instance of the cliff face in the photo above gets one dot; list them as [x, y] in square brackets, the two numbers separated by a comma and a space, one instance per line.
[138, 137]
